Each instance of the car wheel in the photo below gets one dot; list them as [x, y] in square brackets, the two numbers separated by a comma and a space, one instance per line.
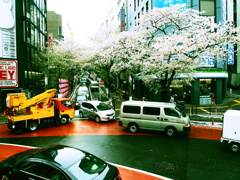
[171, 131]
[32, 126]
[4, 177]
[133, 127]
[63, 120]
[235, 147]
[97, 119]
[81, 114]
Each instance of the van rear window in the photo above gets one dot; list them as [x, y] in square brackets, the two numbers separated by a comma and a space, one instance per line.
[132, 109]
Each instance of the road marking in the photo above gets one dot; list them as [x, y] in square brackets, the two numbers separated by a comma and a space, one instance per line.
[141, 171]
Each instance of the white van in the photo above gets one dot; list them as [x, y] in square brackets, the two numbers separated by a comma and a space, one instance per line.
[159, 116]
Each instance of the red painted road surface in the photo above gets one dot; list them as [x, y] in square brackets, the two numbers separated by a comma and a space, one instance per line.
[93, 128]
[109, 128]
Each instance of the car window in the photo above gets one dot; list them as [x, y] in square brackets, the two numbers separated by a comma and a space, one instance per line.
[43, 170]
[103, 107]
[151, 111]
[91, 107]
[131, 109]
[171, 112]
[67, 104]
[86, 105]
[88, 167]
[81, 98]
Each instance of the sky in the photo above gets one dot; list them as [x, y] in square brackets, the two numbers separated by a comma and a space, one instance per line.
[84, 17]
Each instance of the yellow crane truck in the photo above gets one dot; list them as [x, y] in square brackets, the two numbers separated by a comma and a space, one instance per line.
[23, 113]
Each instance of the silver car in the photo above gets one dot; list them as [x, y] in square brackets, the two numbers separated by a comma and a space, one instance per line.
[96, 110]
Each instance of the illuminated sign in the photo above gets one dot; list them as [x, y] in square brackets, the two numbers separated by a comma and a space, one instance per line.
[122, 20]
[230, 54]
[7, 29]
[8, 73]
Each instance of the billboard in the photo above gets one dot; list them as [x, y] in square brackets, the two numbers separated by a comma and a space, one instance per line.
[8, 73]
[7, 29]
[168, 3]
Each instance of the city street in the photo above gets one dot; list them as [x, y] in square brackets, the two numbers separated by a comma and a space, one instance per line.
[198, 155]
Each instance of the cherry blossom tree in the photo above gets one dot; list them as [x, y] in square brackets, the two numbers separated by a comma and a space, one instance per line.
[175, 37]
[168, 42]
[115, 54]
[66, 60]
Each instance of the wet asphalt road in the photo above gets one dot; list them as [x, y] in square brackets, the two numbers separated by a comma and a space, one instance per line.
[177, 158]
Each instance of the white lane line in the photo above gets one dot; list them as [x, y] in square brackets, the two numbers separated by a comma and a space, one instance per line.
[18, 145]
[141, 171]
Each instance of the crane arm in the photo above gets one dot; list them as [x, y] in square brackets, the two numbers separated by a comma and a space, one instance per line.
[18, 101]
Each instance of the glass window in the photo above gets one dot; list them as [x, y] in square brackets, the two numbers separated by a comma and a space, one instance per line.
[43, 170]
[171, 112]
[67, 104]
[132, 109]
[208, 6]
[103, 107]
[151, 111]
[88, 167]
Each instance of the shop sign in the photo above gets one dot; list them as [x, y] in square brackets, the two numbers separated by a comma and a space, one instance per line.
[8, 73]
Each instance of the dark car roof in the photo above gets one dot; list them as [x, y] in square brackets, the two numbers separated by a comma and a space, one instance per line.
[61, 154]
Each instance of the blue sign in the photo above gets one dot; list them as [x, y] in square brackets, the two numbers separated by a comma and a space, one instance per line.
[168, 3]
[230, 54]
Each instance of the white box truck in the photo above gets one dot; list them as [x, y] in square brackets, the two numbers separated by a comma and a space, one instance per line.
[231, 129]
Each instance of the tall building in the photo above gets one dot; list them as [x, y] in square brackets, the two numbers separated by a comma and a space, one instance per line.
[220, 71]
[23, 36]
[54, 25]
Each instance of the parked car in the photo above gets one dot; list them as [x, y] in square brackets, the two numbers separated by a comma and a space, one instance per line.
[83, 90]
[97, 110]
[83, 79]
[58, 162]
[80, 99]
[157, 116]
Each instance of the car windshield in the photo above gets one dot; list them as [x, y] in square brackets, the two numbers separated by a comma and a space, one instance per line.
[182, 113]
[103, 107]
[81, 98]
[87, 168]
[82, 91]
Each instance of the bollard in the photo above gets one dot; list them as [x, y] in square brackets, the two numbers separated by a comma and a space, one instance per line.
[212, 121]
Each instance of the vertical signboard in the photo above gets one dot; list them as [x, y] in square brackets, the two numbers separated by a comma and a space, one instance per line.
[230, 54]
[230, 10]
[168, 3]
[122, 20]
[7, 29]
[8, 73]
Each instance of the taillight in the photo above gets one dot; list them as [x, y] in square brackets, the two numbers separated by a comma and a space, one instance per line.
[186, 125]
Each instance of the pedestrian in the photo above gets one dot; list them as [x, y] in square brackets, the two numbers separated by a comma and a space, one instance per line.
[212, 98]
[113, 103]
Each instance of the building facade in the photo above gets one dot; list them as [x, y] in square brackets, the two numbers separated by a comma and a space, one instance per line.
[23, 38]
[212, 78]
[54, 26]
